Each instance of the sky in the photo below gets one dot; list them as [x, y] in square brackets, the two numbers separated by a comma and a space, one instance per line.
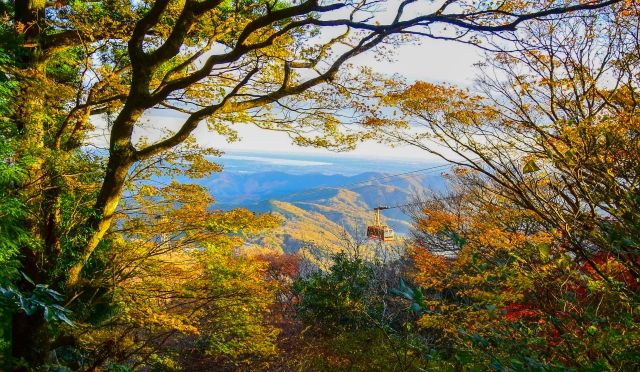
[432, 60]
[435, 61]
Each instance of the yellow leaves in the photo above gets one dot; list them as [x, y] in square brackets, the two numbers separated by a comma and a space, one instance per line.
[437, 321]
[200, 166]
[495, 237]
[177, 268]
[154, 319]
[223, 128]
[424, 96]
[192, 281]
[240, 221]
[431, 269]
[437, 220]
[451, 319]
[440, 106]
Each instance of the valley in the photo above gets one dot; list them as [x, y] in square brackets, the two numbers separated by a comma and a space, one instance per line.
[319, 206]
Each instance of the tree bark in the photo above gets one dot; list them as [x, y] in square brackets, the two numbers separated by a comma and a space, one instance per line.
[29, 334]
[122, 155]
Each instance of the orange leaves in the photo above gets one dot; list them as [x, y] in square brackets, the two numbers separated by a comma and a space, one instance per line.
[437, 220]
[491, 269]
[282, 266]
[517, 312]
[631, 8]
[452, 104]
[549, 218]
[430, 269]
[373, 122]
[612, 266]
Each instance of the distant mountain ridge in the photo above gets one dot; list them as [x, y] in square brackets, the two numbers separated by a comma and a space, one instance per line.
[235, 189]
[247, 188]
[316, 207]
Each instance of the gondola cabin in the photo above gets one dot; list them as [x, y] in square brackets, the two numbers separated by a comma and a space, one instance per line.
[382, 233]
[378, 231]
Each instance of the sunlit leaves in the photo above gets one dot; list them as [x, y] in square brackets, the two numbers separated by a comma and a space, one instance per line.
[178, 270]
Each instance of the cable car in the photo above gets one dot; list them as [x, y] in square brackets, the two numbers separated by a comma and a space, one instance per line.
[378, 231]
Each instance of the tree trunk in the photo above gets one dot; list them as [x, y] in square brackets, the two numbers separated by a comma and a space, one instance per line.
[29, 17]
[110, 193]
[30, 338]
[30, 341]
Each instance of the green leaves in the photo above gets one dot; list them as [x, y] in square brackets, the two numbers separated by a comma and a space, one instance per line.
[42, 300]
[343, 298]
[545, 251]
[458, 239]
[412, 294]
[530, 167]
[13, 209]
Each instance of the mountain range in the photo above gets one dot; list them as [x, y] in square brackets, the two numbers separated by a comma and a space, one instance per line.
[318, 208]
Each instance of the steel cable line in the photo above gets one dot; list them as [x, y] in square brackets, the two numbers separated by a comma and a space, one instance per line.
[370, 182]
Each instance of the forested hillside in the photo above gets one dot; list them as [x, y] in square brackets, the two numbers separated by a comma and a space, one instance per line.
[314, 205]
[125, 245]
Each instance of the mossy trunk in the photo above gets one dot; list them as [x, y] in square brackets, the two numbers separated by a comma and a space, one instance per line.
[29, 335]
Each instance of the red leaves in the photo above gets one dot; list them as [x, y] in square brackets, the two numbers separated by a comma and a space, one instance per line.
[282, 266]
[518, 312]
[611, 266]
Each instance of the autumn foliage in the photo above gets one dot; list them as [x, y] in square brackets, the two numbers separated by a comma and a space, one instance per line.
[113, 259]
[531, 261]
